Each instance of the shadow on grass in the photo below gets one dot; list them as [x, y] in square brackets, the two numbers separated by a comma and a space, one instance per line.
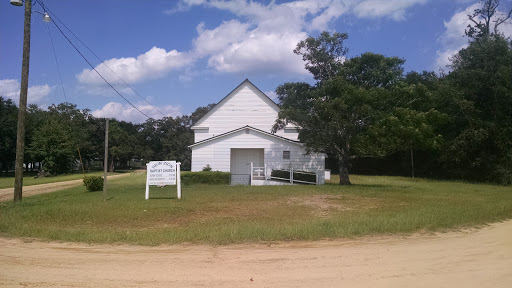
[124, 171]
[162, 197]
[359, 185]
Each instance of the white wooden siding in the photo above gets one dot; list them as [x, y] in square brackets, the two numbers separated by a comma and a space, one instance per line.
[217, 152]
[246, 105]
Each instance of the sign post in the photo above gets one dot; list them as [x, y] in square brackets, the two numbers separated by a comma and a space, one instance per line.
[178, 179]
[163, 173]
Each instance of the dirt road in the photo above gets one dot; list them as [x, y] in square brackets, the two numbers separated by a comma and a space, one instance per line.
[481, 258]
[7, 194]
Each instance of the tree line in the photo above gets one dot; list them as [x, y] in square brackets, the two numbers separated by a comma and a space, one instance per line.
[57, 138]
[370, 117]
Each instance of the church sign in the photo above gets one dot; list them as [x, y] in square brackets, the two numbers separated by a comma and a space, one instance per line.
[162, 173]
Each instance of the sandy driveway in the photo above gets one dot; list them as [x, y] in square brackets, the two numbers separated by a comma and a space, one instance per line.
[480, 258]
[7, 194]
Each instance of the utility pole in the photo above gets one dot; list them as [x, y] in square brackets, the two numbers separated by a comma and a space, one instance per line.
[20, 142]
[105, 163]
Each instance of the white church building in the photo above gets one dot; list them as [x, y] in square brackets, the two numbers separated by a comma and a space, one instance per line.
[235, 136]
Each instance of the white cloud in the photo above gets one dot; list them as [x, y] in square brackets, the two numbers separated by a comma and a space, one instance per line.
[126, 112]
[265, 41]
[333, 11]
[261, 52]
[453, 39]
[151, 65]
[215, 40]
[10, 88]
[260, 39]
[394, 9]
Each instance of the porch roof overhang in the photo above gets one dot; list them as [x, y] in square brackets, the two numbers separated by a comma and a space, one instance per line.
[241, 129]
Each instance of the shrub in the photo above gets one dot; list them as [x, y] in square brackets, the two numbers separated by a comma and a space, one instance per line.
[93, 183]
[205, 177]
[308, 177]
[207, 168]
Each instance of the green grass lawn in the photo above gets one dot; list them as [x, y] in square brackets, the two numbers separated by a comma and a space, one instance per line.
[219, 214]
[8, 182]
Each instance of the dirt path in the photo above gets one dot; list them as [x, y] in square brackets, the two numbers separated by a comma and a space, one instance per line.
[7, 194]
[481, 258]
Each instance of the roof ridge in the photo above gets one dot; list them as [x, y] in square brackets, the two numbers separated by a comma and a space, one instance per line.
[216, 105]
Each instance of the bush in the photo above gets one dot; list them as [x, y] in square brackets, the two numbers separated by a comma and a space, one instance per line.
[207, 168]
[309, 177]
[204, 177]
[93, 183]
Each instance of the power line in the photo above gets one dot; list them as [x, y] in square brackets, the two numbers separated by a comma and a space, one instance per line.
[111, 86]
[101, 60]
[98, 72]
[57, 63]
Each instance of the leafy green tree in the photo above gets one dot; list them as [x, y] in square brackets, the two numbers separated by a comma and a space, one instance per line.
[35, 119]
[149, 137]
[404, 129]
[122, 143]
[199, 113]
[8, 128]
[331, 117]
[428, 79]
[365, 110]
[373, 70]
[481, 144]
[323, 55]
[53, 146]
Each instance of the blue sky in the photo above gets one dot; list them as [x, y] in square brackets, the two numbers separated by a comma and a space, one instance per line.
[180, 55]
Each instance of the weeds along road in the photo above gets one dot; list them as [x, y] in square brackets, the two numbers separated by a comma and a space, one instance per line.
[476, 258]
[7, 194]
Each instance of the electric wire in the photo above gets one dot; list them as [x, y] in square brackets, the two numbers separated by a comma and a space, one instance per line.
[101, 60]
[57, 63]
[64, 93]
[111, 86]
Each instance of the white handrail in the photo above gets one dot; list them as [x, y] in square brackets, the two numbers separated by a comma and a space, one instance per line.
[292, 180]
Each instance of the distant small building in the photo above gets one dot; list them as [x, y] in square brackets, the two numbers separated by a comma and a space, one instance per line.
[237, 132]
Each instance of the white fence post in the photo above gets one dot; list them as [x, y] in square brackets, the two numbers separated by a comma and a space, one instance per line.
[265, 171]
[178, 178]
[316, 174]
[291, 175]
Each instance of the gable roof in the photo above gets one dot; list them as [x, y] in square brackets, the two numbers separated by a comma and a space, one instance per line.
[242, 128]
[223, 100]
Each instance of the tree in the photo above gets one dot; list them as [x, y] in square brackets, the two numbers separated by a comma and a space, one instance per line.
[53, 146]
[428, 79]
[359, 108]
[8, 120]
[373, 70]
[122, 143]
[35, 119]
[481, 142]
[323, 55]
[404, 129]
[331, 117]
[482, 19]
[200, 112]
[176, 138]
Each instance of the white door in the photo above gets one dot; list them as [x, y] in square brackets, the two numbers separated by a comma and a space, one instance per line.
[241, 160]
